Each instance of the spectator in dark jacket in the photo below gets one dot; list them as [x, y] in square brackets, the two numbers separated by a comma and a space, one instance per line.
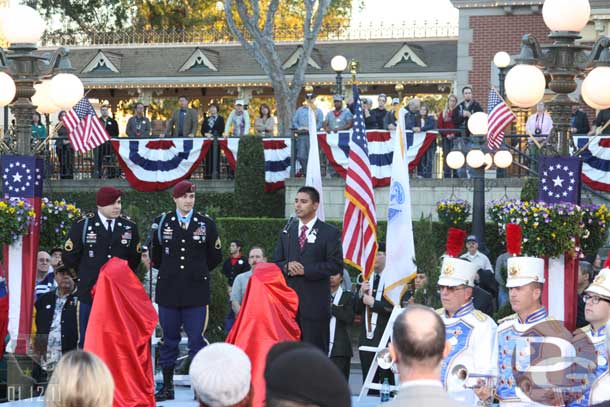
[380, 111]
[423, 121]
[466, 109]
[370, 122]
[580, 121]
[603, 116]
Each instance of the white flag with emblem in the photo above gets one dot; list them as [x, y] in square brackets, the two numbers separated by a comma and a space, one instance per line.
[313, 177]
[400, 250]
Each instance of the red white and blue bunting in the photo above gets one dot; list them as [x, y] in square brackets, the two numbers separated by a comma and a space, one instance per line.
[596, 162]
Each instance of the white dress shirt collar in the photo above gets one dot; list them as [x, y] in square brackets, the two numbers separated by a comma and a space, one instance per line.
[308, 224]
[105, 220]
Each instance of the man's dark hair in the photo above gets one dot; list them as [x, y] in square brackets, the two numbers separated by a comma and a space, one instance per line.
[139, 104]
[313, 193]
[61, 269]
[183, 96]
[257, 247]
[464, 88]
[584, 267]
[238, 243]
[413, 343]
[55, 250]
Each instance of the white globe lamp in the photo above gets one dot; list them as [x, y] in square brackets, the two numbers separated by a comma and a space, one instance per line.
[475, 158]
[566, 15]
[7, 89]
[477, 124]
[66, 90]
[338, 63]
[525, 85]
[22, 25]
[42, 98]
[503, 159]
[455, 160]
[597, 86]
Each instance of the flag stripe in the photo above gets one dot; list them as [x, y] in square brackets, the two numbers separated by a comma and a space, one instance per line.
[85, 130]
[499, 115]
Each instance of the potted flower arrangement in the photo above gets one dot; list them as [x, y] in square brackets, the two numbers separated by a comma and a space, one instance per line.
[57, 217]
[453, 212]
[16, 216]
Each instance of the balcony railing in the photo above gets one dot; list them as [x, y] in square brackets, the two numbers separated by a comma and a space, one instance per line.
[360, 32]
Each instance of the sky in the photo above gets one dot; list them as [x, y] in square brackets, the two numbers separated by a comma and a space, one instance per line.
[395, 11]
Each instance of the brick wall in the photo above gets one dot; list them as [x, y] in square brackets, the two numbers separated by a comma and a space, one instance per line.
[498, 33]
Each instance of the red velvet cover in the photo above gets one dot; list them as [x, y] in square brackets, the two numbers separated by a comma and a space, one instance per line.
[121, 324]
[267, 316]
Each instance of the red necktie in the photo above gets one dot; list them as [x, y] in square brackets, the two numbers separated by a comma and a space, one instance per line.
[303, 236]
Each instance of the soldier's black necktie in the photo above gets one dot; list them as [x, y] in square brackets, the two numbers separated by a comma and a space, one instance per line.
[109, 228]
[183, 225]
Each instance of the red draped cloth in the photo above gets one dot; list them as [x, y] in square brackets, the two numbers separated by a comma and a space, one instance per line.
[121, 324]
[267, 316]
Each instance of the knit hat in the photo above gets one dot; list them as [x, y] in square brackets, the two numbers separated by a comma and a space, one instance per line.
[107, 196]
[521, 270]
[221, 375]
[182, 188]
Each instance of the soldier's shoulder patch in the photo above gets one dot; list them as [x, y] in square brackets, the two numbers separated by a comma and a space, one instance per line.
[69, 245]
[440, 311]
[218, 245]
[139, 248]
[479, 315]
[508, 318]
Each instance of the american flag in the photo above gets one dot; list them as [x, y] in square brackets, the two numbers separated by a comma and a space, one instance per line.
[359, 220]
[499, 115]
[86, 130]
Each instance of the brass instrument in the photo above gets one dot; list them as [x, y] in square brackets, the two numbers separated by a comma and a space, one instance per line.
[385, 362]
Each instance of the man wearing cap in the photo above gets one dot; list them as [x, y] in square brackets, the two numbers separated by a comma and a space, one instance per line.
[185, 247]
[375, 310]
[389, 121]
[238, 123]
[183, 122]
[474, 256]
[471, 333]
[300, 123]
[525, 284]
[338, 119]
[93, 240]
[597, 313]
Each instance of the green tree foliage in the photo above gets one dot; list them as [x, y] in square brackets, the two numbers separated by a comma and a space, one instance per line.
[85, 15]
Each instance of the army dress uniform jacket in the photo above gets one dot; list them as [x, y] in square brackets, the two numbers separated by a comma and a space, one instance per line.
[184, 258]
[90, 245]
[474, 345]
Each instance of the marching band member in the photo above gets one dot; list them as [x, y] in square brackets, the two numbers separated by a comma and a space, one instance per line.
[470, 332]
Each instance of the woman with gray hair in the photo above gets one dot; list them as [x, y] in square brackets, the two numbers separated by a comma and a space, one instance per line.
[80, 379]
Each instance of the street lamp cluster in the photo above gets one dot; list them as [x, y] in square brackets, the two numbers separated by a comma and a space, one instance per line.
[30, 80]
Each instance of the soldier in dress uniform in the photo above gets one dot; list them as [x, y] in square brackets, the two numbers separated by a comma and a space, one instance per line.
[470, 332]
[185, 247]
[597, 313]
[92, 241]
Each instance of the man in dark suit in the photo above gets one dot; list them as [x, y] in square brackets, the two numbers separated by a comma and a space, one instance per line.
[579, 122]
[183, 122]
[236, 264]
[185, 248]
[308, 252]
[375, 311]
[104, 152]
[92, 241]
[342, 310]
[418, 347]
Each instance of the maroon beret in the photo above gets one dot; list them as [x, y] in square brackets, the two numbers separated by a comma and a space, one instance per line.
[182, 188]
[107, 196]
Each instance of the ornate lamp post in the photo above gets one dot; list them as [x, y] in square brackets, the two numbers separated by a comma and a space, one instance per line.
[479, 161]
[563, 61]
[23, 69]
[339, 64]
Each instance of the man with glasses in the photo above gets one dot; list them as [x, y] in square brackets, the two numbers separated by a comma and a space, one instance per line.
[597, 313]
[471, 333]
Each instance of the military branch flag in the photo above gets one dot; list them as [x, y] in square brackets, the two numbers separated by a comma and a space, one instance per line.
[359, 220]
[85, 129]
[313, 177]
[499, 115]
[559, 179]
[400, 268]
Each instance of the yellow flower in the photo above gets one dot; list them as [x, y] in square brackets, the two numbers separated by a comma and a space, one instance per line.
[20, 204]
[11, 210]
[553, 235]
[3, 205]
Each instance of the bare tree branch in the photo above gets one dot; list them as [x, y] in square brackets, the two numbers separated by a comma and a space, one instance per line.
[270, 19]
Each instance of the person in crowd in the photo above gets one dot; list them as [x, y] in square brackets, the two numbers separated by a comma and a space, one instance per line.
[412, 114]
[93, 240]
[585, 276]
[184, 120]
[597, 313]
[138, 125]
[540, 123]
[55, 257]
[596, 262]
[185, 248]
[380, 111]
[449, 139]
[423, 121]
[599, 389]
[580, 122]
[150, 273]
[375, 310]
[390, 117]
[238, 290]
[302, 376]
[104, 152]
[237, 263]
[475, 348]
[45, 279]
[418, 348]
[213, 123]
[80, 379]
[308, 253]
[464, 110]
[500, 276]
[264, 123]
[238, 122]
[370, 121]
[300, 124]
[56, 322]
[39, 131]
[64, 150]
[221, 376]
[473, 255]
[599, 124]
[342, 311]
[338, 119]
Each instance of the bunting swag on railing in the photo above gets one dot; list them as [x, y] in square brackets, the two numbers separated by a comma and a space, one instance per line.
[596, 162]
[158, 164]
